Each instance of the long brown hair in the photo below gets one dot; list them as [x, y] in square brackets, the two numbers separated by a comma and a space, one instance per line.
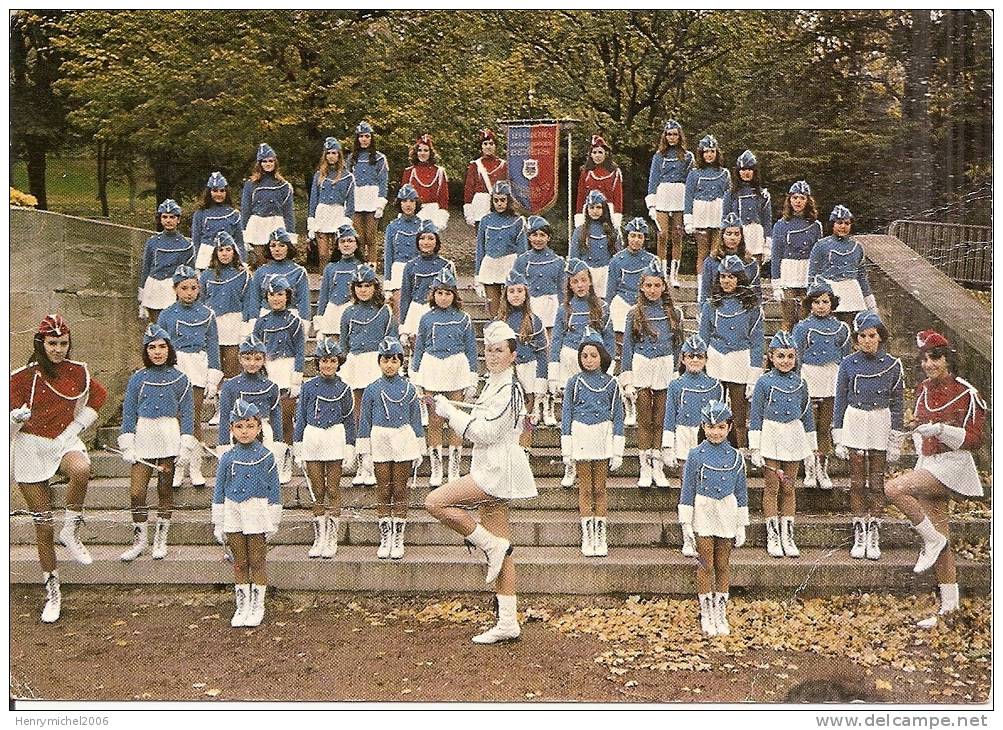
[717, 247]
[39, 357]
[810, 209]
[412, 154]
[322, 166]
[526, 328]
[205, 199]
[607, 228]
[378, 299]
[662, 146]
[457, 302]
[217, 266]
[597, 310]
[257, 173]
[641, 328]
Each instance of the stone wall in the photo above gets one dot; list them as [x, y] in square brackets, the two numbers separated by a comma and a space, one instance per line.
[87, 271]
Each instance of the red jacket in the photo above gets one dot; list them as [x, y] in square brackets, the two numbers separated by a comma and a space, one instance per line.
[608, 183]
[496, 170]
[955, 402]
[54, 404]
[431, 183]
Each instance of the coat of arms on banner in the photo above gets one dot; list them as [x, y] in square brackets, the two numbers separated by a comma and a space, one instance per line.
[532, 162]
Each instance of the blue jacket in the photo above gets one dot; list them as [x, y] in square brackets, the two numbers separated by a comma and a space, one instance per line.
[535, 348]
[715, 471]
[247, 471]
[839, 259]
[661, 345]
[821, 340]
[367, 174]
[596, 252]
[751, 205]
[282, 333]
[363, 327]
[781, 398]
[207, 222]
[163, 253]
[336, 284]
[325, 402]
[266, 198]
[732, 328]
[625, 271]
[226, 292]
[869, 383]
[255, 301]
[709, 183]
[570, 334]
[710, 265]
[685, 398]
[192, 328]
[591, 398]
[544, 270]
[498, 235]
[442, 333]
[417, 283]
[390, 403]
[793, 239]
[256, 389]
[400, 243]
[332, 192]
[158, 392]
[668, 168]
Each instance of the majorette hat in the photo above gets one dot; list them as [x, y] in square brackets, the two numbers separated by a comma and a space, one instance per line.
[53, 325]
[216, 181]
[930, 339]
[715, 412]
[265, 152]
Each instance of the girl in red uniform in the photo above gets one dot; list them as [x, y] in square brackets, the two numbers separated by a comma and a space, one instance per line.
[53, 399]
[482, 174]
[951, 419]
[429, 179]
[600, 173]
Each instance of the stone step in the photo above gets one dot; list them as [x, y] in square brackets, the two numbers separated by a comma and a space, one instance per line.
[540, 570]
[530, 527]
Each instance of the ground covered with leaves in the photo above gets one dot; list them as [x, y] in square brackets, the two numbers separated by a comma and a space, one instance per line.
[175, 643]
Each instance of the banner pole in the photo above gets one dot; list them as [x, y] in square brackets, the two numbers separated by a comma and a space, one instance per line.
[570, 212]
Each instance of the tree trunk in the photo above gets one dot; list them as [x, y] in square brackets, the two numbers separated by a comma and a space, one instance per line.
[102, 160]
[917, 108]
[35, 151]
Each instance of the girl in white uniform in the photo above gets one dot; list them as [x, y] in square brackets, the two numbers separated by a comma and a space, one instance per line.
[499, 472]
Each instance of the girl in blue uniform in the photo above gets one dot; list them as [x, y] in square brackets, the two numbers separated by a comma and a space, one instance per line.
[501, 236]
[332, 198]
[335, 286]
[794, 236]
[732, 243]
[192, 327]
[654, 333]
[285, 342]
[781, 434]
[266, 202]
[246, 509]
[840, 261]
[822, 342]
[253, 386]
[666, 196]
[215, 214]
[445, 361]
[163, 253]
[369, 166]
[419, 273]
[323, 440]
[750, 202]
[224, 286]
[157, 423]
[281, 254]
[592, 437]
[400, 244]
[596, 240]
[867, 427]
[731, 323]
[391, 434]
[713, 512]
[684, 401]
[531, 346]
[706, 186]
[625, 270]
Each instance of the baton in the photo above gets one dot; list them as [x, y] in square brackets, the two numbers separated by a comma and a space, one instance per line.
[155, 467]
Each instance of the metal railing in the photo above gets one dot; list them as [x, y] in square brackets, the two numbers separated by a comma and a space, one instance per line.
[965, 253]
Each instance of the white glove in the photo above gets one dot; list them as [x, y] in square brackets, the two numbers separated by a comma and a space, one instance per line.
[188, 444]
[405, 341]
[653, 214]
[144, 313]
[951, 436]
[443, 407]
[69, 433]
[19, 415]
[740, 536]
[294, 390]
[615, 462]
[756, 457]
[298, 453]
[688, 223]
[629, 392]
[841, 452]
[688, 534]
[778, 294]
[311, 230]
[139, 295]
[928, 430]
[470, 393]
[871, 303]
[469, 219]
[895, 439]
[219, 534]
[416, 462]
[669, 457]
[690, 229]
[222, 449]
[348, 455]
[479, 289]
[212, 384]
[767, 249]
[125, 445]
[749, 389]
[378, 213]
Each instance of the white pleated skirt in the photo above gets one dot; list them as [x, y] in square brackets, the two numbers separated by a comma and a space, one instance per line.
[37, 458]
[360, 369]
[395, 444]
[784, 441]
[330, 321]
[228, 327]
[329, 218]
[526, 373]
[444, 375]
[619, 308]
[157, 438]
[654, 373]
[686, 440]
[545, 307]
[259, 228]
[599, 276]
[707, 213]
[821, 379]
[158, 293]
[851, 298]
[955, 470]
[794, 273]
[196, 366]
[415, 311]
[755, 241]
[396, 280]
[324, 444]
[366, 198]
[866, 429]
[591, 442]
[670, 197]
[715, 517]
[495, 270]
[253, 516]
[731, 368]
[280, 371]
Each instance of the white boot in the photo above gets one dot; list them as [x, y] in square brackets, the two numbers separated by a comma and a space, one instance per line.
[822, 472]
[707, 614]
[139, 538]
[699, 283]
[657, 469]
[644, 480]
[319, 536]
[773, 546]
[455, 457]
[160, 529]
[674, 273]
[242, 600]
[949, 602]
[495, 549]
[630, 411]
[360, 470]
[859, 547]
[386, 538]
[549, 417]
[588, 537]
[570, 472]
[286, 467]
[435, 461]
[933, 543]
[256, 612]
[397, 547]
[329, 547]
[599, 530]
[689, 549]
[195, 466]
[53, 597]
[507, 628]
[810, 472]
[721, 614]
[787, 537]
[873, 546]
[179, 472]
[70, 537]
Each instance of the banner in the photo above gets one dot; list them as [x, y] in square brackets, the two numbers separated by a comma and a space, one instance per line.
[531, 154]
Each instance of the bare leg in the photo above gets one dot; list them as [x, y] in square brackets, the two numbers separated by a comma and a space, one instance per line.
[526, 437]
[702, 238]
[644, 419]
[77, 469]
[823, 423]
[39, 500]
[913, 493]
[288, 406]
[450, 504]
[357, 402]
[600, 472]
[316, 473]
[945, 568]
[676, 234]
[657, 417]
[788, 505]
[454, 439]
